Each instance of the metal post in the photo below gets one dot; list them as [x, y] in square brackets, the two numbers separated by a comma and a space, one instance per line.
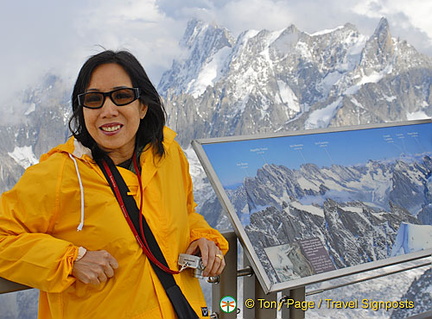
[298, 294]
[227, 285]
[256, 303]
[265, 307]
[249, 283]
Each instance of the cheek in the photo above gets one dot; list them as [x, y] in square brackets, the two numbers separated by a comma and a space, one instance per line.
[89, 119]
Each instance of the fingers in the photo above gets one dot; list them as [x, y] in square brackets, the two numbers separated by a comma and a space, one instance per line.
[193, 248]
[100, 279]
[110, 266]
[211, 255]
[215, 265]
[218, 270]
[95, 267]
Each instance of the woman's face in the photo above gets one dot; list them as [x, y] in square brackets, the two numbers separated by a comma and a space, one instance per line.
[113, 127]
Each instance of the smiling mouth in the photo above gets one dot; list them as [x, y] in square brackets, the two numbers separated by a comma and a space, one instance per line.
[111, 128]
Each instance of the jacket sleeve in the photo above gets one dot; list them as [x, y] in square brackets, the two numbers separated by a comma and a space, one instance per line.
[29, 255]
[199, 228]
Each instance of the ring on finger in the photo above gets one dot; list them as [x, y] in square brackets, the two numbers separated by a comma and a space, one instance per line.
[220, 256]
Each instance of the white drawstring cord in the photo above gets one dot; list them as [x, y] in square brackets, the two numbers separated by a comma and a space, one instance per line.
[81, 224]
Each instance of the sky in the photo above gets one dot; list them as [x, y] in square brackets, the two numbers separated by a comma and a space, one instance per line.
[39, 37]
[233, 161]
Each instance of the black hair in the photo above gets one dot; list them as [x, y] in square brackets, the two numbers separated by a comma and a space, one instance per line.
[150, 130]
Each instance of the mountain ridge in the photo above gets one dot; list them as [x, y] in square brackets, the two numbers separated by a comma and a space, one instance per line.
[266, 81]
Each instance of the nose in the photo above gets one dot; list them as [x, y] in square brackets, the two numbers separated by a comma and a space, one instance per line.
[109, 109]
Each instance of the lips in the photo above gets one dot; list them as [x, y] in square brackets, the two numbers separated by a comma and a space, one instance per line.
[111, 128]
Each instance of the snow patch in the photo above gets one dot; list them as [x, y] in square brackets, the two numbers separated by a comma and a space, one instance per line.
[31, 109]
[419, 115]
[209, 74]
[321, 118]
[326, 31]
[24, 156]
[288, 97]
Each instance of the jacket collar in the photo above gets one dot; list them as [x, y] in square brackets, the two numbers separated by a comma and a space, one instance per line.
[148, 159]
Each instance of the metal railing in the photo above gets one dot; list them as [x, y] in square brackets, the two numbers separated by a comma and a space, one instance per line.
[227, 285]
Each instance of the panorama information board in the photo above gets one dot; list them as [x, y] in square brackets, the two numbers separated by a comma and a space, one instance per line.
[319, 204]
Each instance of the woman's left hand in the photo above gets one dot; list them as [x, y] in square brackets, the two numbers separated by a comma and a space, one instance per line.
[211, 255]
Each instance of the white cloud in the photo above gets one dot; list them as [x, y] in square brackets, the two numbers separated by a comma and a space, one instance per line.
[408, 19]
[53, 36]
[50, 35]
[136, 25]
[414, 13]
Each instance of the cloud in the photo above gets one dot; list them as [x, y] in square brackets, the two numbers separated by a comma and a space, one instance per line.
[409, 20]
[32, 37]
[137, 25]
[52, 36]
[412, 14]
[58, 36]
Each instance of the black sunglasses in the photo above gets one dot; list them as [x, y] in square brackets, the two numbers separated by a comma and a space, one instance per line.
[120, 97]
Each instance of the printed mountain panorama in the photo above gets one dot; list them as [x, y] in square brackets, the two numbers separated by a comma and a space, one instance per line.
[339, 216]
[271, 81]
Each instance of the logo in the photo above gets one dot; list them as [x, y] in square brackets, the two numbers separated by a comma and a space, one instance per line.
[204, 311]
[228, 304]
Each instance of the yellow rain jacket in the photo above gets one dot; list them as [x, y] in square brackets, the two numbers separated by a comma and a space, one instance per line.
[41, 218]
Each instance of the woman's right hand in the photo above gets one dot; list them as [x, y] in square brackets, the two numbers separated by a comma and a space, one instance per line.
[95, 267]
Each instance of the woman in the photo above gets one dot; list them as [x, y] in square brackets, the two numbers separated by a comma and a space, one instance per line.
[62, 229]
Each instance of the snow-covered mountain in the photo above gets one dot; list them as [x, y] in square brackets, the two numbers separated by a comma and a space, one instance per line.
[261, 81]
[42, 126]
[267, 81]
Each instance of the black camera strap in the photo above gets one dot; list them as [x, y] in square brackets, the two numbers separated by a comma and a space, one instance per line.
[132, 214]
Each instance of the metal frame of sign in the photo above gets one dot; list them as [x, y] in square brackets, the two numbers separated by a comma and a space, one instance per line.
[202, 146]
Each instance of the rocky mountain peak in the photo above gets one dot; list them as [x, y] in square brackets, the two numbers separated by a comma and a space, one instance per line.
[201, 43]
[382, 31]
[202, 35]
[266, 81]
[379, 50]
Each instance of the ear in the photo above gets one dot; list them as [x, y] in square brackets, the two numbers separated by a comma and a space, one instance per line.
[143, 110]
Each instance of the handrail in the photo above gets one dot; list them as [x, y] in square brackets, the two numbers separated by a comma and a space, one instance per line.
[10, 286]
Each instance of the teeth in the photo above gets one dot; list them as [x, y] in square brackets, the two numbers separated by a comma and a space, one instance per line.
[110, 128]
